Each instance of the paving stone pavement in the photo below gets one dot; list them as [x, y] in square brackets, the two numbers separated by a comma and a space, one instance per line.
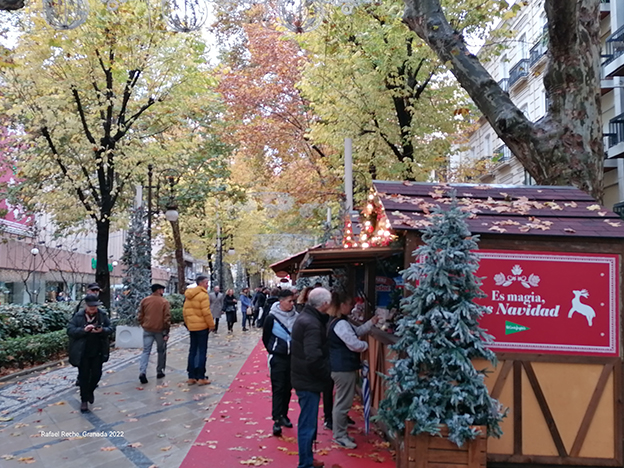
[130, 425]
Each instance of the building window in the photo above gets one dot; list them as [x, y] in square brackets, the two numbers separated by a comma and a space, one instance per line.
[487, 146]
[524, 49]
[504, 67]
[525, 110]
[528, 179]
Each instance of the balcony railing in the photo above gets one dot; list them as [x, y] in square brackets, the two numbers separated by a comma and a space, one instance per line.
[614, 46]
[501, 154]
[616, 130]
[538, 50]
[504, 84]
[608, 140]
[519, 70]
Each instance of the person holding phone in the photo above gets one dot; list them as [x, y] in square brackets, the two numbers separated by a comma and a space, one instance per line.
[88, 332]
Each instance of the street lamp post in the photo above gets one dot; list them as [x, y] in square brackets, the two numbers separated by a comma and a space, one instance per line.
[172, 216]
[34, 252]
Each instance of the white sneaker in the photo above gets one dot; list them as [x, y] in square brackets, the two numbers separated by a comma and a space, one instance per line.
[346, 443]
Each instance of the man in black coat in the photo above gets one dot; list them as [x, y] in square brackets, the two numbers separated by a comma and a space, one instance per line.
[88, 333]
[310, 372]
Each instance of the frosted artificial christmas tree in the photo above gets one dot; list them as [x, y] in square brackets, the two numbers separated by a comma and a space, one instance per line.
[433, 382]
[137, 269]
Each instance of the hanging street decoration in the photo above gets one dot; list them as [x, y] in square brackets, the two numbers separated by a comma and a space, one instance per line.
[375, 227]
[298, 16]
[185, 15]
[65, 14]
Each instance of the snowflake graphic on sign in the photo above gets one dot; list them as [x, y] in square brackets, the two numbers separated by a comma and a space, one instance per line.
[516, 276]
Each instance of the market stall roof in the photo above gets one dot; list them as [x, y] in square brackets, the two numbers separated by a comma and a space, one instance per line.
[332, 258]
[291, 264]
[502, 209]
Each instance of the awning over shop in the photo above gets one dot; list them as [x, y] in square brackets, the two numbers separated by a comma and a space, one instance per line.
[318, 261]
[335, 258]
[290, 265]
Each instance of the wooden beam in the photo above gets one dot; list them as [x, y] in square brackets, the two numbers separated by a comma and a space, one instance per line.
[517, 407]
[501, 379]
[543, 404]
[591, 410]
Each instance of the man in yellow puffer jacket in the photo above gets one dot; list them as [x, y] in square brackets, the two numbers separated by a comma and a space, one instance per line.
[198, 320]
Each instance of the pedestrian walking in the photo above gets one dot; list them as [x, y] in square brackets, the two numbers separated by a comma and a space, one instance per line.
[257, 303]
[276, 336]
[344, 360]
[309, 369]
[246, 309]
[93, 289]
[229, 307]
[88, 332]
[198, 319]
[155, 318]
[216, 306]
[272, 299]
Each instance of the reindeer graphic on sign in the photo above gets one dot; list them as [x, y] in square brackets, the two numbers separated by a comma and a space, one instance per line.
[583, 309]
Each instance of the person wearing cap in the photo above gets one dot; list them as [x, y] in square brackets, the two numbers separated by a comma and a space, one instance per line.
[88, 332]
[155, 318]
[93, 289]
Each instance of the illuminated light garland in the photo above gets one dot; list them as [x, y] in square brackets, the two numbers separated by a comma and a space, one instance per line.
[375, 227]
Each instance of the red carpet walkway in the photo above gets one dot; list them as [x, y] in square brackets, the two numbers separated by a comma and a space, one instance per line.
[239, 433]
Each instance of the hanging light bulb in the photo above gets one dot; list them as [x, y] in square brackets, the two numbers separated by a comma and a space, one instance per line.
[300, 15]
[185, 15]
[65, 14]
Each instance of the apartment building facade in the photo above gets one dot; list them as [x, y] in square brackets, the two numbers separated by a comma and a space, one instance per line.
[519, 70]
[36, 264]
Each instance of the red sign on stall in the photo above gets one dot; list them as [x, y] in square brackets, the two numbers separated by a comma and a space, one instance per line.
[554, 303]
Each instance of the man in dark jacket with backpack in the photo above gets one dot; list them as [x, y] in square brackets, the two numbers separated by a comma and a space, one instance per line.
[310, 372]
[276, 338]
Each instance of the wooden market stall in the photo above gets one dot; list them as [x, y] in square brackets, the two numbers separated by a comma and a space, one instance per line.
[551, 263]
[549, 255]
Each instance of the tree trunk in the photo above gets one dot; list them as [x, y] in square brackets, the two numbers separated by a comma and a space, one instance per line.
[564, 148]
[179, 256]
[102, 275]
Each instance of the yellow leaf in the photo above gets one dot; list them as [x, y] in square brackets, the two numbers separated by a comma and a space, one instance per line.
[593, 207]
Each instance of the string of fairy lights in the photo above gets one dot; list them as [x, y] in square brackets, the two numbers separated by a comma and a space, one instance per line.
[375, 227]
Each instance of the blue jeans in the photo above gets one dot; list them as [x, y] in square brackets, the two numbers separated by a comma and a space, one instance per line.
[306, 427]
[196, 367]
[161, 349]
